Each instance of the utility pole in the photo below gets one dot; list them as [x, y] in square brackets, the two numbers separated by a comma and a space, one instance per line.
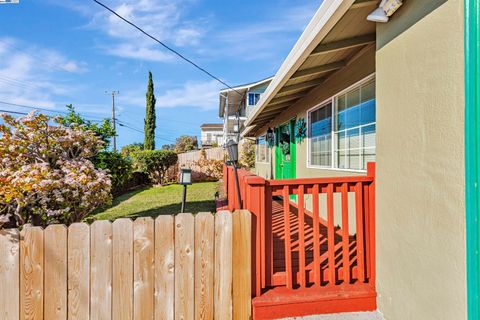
[113, 93]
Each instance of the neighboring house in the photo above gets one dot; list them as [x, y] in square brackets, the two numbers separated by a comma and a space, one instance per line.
[211, 135]
[393, 93]
[236, 104]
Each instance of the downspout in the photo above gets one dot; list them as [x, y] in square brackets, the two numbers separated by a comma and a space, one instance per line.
[472, 157]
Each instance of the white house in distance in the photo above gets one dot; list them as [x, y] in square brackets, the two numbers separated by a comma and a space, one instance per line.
[236, 104]
[211, 135]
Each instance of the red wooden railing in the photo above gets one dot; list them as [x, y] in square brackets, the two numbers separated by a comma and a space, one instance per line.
[293, 245]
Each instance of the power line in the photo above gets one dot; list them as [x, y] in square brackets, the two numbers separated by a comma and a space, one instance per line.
[121, 124]
[14, 112]
[166, 46]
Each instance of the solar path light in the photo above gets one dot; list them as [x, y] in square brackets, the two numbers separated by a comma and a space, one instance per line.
[185, 180]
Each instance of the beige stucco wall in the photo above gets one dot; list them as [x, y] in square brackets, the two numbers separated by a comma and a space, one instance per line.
[420, 164]
[353, 73]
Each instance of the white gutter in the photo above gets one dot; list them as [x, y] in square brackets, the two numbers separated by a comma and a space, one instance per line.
[322, 22]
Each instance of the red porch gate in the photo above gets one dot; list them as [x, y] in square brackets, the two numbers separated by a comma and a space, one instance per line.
[313, 242]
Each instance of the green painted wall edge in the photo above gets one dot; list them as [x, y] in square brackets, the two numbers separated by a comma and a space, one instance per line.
[472, 155]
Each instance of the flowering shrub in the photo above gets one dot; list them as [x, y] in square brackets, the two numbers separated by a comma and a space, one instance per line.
[45, 172]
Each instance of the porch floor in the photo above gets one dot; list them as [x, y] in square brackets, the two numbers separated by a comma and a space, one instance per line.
[280, 302]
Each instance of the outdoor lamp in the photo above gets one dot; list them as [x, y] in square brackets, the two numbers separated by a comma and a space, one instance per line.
[185, 180]
[270, 137]
[232, 149]
[384, 10]
[185, 176]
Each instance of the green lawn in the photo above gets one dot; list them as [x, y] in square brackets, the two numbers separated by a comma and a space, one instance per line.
[154, 201]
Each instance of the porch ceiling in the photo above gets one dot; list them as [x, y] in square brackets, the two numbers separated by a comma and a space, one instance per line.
[342, 33]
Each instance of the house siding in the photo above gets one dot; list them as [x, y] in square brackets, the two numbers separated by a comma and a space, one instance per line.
[421, 271]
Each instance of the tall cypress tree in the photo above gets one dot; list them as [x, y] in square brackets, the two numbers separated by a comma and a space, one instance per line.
[149, 142]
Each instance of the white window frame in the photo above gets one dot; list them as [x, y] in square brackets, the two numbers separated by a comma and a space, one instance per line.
[333, 105]
[267, 149]
[248, 98]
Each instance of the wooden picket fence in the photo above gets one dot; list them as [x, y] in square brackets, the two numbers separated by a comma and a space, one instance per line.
[173, 267]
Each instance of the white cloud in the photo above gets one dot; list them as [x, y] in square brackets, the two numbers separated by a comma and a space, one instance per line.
[163, 19]
[26, 74]
[202, 95]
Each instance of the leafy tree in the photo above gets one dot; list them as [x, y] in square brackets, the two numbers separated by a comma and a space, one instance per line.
[168, 146]
[186, 143]
[155, 163]
[119, 169]
[127, 150]
[45, 172]
[247, 154]
[149, 143]
[104, 130]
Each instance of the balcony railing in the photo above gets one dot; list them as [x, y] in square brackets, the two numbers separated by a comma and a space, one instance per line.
[309, 232]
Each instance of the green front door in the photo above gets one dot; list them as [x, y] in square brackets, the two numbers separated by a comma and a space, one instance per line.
[285, 151]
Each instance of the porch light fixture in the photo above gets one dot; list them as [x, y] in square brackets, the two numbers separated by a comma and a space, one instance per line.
[270, 137]
[384, 10]
[232, 150]
[185, 180]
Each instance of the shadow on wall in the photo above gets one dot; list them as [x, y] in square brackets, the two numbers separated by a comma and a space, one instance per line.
[409, 13]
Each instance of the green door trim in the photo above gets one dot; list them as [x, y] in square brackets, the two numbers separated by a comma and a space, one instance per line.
[472, 156]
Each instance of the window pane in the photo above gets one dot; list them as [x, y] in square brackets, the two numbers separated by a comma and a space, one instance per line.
[352, 112]
[368, 103]
[353, 138]
[354, 159]
[368, 136]
[368, 156]
[251, 99]
[320, 134]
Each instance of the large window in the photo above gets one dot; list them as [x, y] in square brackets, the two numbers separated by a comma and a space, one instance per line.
[261, 151]
[352, 128]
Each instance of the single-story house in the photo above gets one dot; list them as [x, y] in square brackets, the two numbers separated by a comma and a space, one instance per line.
[402, 93]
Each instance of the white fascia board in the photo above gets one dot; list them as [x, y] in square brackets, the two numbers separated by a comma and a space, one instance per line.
[329, 13]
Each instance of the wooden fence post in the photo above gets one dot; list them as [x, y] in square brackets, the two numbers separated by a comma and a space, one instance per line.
[31, 273]
[242, 271]
[223, 265]
[10, 274]
[184, 266]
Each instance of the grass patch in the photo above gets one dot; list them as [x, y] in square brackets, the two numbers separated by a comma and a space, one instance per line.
[154, 201]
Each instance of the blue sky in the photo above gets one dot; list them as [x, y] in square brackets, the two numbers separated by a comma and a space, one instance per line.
[71, 51]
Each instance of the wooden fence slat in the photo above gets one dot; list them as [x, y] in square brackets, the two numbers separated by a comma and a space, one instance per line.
[360, 231]
[345, 235]
[143, 268]
[204, 263]
[122, 269]
[331, 235]
[288, 238]
[79, 271]
[316, 235]
[101, 270]
[9, 274]
[55, 278]
[242, 260]
[184, 266]
[31, 273]
[301, 235]
[223, 265]
[164, 268]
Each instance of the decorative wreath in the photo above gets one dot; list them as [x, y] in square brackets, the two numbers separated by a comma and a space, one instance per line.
[285, 147]
[300, 129]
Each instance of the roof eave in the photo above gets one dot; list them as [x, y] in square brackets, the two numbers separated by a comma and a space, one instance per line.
[323, 21]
